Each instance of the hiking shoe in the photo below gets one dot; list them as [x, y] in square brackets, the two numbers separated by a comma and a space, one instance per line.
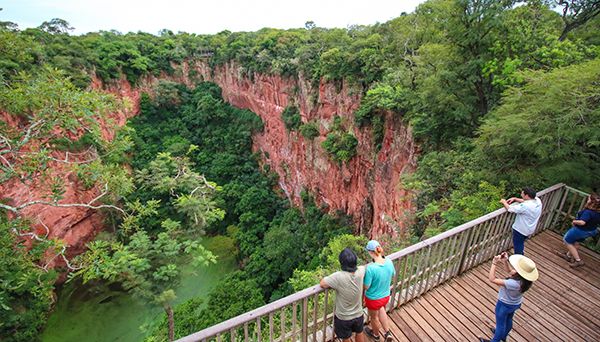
[566, 256]
[576, 263]
[371, 334]
[388, 336]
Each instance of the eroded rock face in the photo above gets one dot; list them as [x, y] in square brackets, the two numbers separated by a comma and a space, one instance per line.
[74, 226]
[367, 187]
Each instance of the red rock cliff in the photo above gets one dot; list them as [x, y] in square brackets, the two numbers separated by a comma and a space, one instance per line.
[75, 226]
[368, 187]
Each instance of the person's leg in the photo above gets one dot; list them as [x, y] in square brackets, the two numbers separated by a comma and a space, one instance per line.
[358, 329]
[572, 239]
[509, 320]
[342, 329]
[374, 321]
[518, 242]
[573, 251]
[501, 318]
[383, 319]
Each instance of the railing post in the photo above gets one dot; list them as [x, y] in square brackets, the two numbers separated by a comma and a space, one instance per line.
[465, 247]
[558, 211]
[304, 331]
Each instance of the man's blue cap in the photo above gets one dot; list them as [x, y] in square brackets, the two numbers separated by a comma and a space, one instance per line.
[372, 245]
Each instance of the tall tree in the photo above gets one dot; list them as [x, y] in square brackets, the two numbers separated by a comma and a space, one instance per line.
[146, 263]
[576, 13]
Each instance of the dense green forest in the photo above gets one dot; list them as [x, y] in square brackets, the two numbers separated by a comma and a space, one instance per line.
[498, 94]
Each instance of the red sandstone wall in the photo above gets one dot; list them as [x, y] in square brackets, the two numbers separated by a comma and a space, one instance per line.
[368, 187]
[75, 226]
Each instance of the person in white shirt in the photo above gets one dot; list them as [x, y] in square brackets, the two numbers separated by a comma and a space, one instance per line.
[528, 209]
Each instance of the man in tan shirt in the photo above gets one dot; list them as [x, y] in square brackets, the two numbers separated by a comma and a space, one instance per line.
[348, 285]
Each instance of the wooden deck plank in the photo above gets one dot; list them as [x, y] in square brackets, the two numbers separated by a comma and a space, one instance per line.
[406, 328]
[546, 252]
[399, 335]
[573, 292]
[562, 305]
[437, 320]
[416, 328]
[475, 318]
[565, 278]
[459, 321]
[423, 320]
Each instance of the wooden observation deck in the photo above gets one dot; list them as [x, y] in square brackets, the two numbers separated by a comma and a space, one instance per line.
[441, 292]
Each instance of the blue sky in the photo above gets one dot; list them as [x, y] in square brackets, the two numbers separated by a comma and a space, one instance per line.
[203, 17]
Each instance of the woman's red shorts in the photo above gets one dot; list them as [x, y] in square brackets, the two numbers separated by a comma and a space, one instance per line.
[376, 304]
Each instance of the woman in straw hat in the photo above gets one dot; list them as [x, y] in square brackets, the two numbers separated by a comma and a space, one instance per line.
[522, 274]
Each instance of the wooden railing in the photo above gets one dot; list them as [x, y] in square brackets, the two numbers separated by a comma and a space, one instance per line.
[308, 315]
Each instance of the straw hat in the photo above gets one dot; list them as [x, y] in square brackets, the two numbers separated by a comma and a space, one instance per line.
[524, 266]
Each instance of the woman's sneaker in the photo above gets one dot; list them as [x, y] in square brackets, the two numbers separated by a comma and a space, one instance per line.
[371, 334]
[388, 336]
[566, 256]
[576, 263]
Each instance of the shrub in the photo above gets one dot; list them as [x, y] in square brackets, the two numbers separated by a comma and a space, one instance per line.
[309, 130]
[340, 146]
[291, 118]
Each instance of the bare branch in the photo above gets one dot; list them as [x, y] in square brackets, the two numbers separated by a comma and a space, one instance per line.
[5, 141]
[28, 135]
[7, 163]
[45, 227]
[60, 205]
[31, 234]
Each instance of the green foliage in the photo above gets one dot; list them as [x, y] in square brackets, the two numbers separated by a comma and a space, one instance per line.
[25, 289]
[291, 118]
[192, 195]
[233, 296]
[340, 145]
[461, 207]
[272, 238]
[309, 130]
[54, 112]
[550, 124]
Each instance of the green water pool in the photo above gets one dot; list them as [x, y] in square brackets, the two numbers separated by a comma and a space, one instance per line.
[95, 313]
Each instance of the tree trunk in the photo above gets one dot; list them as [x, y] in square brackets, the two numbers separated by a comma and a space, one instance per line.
[171, 320]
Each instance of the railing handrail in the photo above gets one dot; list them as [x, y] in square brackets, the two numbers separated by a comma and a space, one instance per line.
[250, 316]
[461, 228]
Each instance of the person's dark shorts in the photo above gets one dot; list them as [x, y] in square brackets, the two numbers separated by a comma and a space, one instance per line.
[578, 235]
[344, 329]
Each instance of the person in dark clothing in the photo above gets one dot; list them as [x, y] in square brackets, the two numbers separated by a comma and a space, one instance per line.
[585, 225]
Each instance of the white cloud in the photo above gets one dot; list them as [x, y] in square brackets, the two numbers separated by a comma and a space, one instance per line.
[201, 16]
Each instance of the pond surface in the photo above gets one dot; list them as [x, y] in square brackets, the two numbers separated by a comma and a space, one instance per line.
[97, 313]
